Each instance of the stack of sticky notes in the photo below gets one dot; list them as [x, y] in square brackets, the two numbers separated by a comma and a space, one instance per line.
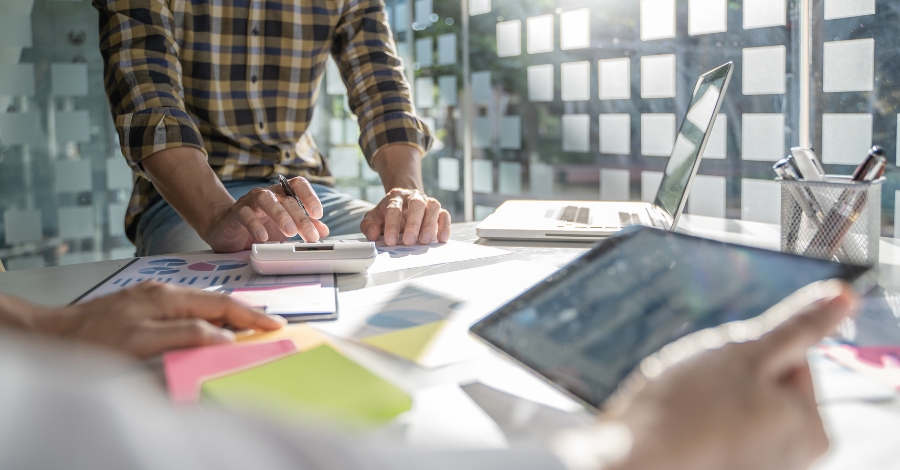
[286, 373]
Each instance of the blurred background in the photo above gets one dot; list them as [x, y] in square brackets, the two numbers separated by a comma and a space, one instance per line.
[544, 99]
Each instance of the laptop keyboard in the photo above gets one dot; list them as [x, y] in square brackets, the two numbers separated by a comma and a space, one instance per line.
[582, 216]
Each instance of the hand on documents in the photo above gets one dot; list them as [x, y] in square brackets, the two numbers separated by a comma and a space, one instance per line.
[744, 406]
[151, 318]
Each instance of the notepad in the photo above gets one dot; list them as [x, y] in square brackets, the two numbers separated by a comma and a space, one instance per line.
[188, 368]
[319, 382]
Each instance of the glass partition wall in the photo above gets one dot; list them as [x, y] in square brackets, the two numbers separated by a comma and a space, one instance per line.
[562, 99]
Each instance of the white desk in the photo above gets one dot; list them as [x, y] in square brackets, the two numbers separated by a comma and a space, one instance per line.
[488, 402]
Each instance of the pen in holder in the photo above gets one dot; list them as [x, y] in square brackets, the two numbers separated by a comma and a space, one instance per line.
[837, 219]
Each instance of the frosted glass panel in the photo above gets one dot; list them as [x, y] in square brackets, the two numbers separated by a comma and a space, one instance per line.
[707, 16]
[425, 92]
[509, 38]
[375, 193]
[846, 138]
[763, 13]
[763, 137]
[447, 90]
[717, 146]
[118, 174]
[761, 201]
[478, 7]
[423, 12]
[482, 176]
[849, 65]
[481, 212]
[334, 85]
[540, 83]
[425, 52]
[20, 128]
[511, 132]
[76, 222]
[73, 126]
[351, 131]
[481, 132]
[657, 19]
[69, 79]
[614, 185]
[447, 49]
[481, 87]
[15, 30]
[575, 81]
[344, 162]
[576, 132]
[615, 134]
[448, 174]
[614, 76]
[764, 70]
[658, 76]
[510, 178]
[73, 176]
[848, 8]
[368, 173]
[540, 180]
[707, 196]
[540, 34]
[22, 226]
[17, 79]
[657, 134]
[650, 181]
[336, 131]
[116, 216]
[78, 258]
[575, 29]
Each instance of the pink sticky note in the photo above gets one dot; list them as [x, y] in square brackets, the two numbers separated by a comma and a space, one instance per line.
[188, 368]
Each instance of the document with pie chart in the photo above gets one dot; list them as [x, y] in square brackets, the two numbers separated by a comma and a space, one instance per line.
[230, 273]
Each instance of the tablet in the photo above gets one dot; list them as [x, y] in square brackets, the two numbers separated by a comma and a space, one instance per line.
[588, 326]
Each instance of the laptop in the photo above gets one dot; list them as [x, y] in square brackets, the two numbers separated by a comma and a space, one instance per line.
[590, 220]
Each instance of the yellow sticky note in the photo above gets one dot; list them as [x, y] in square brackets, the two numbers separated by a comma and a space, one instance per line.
[303, 336]
[408, 343]
[319, 382]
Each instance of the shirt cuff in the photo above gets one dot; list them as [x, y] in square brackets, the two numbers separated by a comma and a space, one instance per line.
[150, 130]
[394, 128]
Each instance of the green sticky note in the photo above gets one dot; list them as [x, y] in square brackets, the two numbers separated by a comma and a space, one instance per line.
[318, 382]
[408, 343]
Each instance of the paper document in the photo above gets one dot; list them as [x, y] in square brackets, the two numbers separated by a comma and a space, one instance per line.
[188, 368]
[319, 382]
[393, 258]
[426, 320]
[230, 273]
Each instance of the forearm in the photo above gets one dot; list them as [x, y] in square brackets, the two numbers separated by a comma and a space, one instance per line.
[17, 313]
[400, 166]
[189, 185]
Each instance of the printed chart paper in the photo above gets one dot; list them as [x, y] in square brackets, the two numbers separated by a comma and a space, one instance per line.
[394, 258]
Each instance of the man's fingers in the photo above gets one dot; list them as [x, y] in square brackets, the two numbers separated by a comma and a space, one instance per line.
[787, 343]
[320, 227]
[371, 225]
[308, 196]
[414, 213]
[267, 202]
[305, 227]
[218, 307]
[176, 333]
[428, 232]
[443, 226]
[252, 224]
[393, 214]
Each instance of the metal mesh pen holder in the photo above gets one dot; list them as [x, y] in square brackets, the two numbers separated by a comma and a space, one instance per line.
[838, 220]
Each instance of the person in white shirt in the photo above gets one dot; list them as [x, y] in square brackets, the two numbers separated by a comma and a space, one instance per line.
[747, 405]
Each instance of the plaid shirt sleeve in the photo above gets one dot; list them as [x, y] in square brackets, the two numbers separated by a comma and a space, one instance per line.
[377, 89]
[142, 77]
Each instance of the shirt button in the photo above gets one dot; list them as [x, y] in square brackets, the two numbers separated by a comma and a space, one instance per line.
[253, 79]
[260, 124]
[255, 31]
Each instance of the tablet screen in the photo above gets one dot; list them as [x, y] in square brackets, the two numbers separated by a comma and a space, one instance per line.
[589, 325]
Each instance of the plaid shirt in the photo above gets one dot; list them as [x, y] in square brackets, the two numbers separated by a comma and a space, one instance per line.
[239, 79]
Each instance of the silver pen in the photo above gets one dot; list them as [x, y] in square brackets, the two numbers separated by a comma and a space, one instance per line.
[286, 186]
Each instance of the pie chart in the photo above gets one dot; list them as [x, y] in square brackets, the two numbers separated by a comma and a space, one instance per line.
[162, 267]
[218, 265]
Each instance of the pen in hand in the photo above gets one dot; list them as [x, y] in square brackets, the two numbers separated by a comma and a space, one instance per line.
[288, 191]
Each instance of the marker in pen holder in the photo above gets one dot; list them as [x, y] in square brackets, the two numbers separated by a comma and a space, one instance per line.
[847, 226]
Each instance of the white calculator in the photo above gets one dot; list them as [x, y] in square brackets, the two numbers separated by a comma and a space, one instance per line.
[297, 257]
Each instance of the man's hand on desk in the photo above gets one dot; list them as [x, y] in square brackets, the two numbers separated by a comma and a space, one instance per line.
[149, 319]
[405, 208]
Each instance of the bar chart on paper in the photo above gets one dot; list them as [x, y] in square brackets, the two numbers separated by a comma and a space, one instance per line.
[179, 271]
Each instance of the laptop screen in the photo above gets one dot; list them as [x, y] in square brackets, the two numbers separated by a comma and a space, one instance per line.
[691, 140]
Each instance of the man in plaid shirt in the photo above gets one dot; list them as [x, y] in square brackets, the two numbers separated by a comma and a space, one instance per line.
[212, 101]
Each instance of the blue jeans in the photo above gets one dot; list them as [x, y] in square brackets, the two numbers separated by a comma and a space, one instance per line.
[161, 230]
